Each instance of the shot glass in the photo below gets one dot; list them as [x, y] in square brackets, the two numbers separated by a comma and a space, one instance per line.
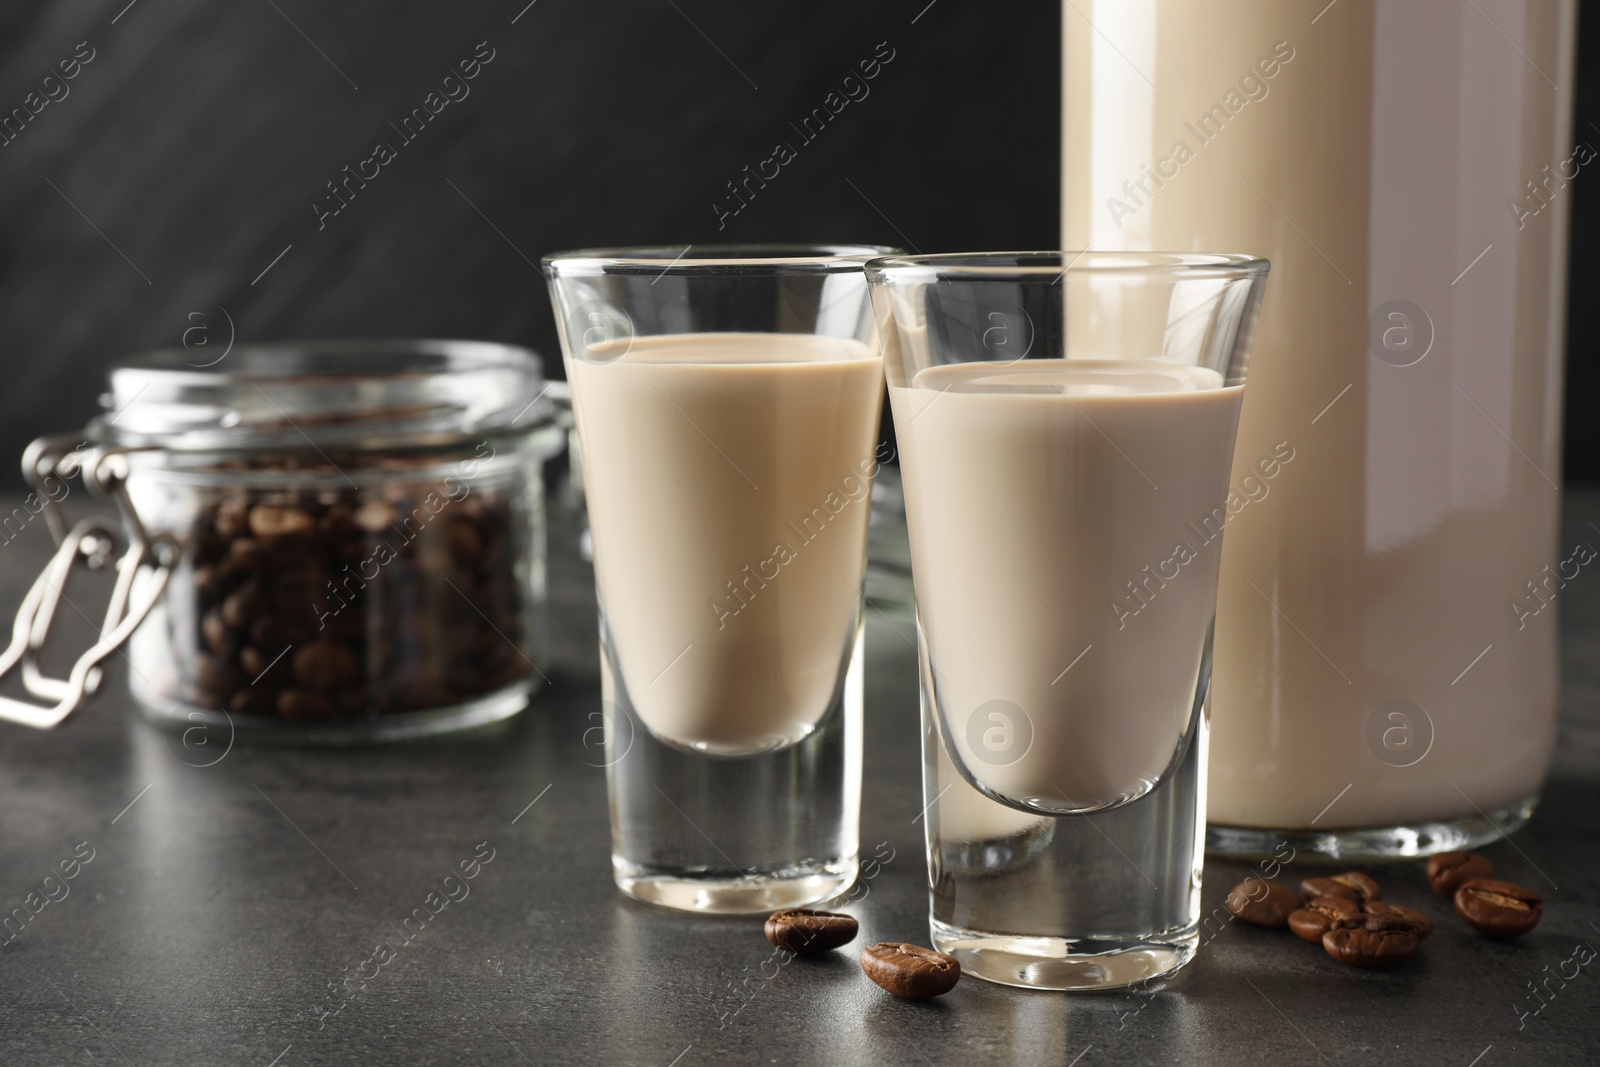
[727, 404]
[1066, 425]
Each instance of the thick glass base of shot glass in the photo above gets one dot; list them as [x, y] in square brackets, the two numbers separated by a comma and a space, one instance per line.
[716, 893]
[1372, 844]
[736, 835]
[1070, 902]
[1066, 964]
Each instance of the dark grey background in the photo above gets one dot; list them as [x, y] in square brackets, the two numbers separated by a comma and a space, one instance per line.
[190, 150]
[198, 138]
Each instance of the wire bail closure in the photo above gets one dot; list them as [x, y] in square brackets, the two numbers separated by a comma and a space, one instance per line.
[142, 574]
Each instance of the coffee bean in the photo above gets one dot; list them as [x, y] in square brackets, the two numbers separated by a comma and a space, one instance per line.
[465, 540]
[431, 554]
[325, 665]
[910, 971]
[253, 700]
[232, 519]
[1321, 915]
[215, 674]
[281, 527]
[255, 661]
[375, 517]
[219, 636]
[806, 930]
[1367, 887]
[247, 554]
[1449, 871]
[471, 597]
[1309, 925]
[349, 627]
[207, 582]
[1264, 903]
[276, 631]
[1400, 917]
[337, 526]
[302, 704]
[296, 592]
[1327, 887]
[244, 604]
[1361, 946]
[1499, 909]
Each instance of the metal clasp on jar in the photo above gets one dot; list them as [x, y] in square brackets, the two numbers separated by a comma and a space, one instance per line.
[91, 542]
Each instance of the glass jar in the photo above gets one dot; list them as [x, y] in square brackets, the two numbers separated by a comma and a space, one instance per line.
[359, 533]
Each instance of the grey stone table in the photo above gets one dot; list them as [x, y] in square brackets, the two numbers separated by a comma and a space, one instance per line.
[226, 908]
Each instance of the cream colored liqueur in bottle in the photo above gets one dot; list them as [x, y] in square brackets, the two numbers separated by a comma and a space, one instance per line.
[1385, 679]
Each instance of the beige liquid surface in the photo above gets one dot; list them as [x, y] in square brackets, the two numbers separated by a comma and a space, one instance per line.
[1065, 578]
[728, 483]
[1374, 162]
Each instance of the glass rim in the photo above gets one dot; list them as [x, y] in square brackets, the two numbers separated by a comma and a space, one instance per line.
[1012, 266]
[746, 258]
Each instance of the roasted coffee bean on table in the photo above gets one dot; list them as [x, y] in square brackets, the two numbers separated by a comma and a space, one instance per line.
[1339, 886]
[1449, 871]
[1314, 888]
[807, 930]
[1499, 909]
[1264, 903]
[1365, 885]
[1371, 942]
[1344, 912]
[1321, 915]
[326, 604]
[1399, 916]
[910, 971]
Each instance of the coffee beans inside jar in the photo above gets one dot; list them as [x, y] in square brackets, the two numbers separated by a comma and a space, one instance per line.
[302, 598]
[360, 528]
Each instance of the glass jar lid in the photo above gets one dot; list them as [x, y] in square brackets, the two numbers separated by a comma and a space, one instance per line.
[341, 396]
